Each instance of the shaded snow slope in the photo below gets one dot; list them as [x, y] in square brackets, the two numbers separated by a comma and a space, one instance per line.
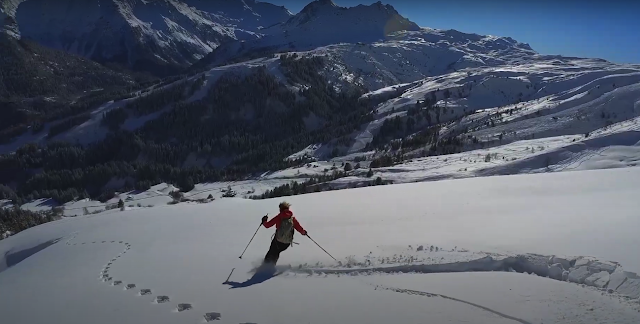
[7, 21]
[249, 14]
[141, 33]
[180, 263]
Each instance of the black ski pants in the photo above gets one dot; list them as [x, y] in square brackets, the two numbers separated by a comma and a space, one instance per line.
[274, 251]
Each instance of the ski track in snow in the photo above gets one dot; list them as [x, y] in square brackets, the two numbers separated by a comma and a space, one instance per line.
[528, 263]
[159, 299]
[427, 294]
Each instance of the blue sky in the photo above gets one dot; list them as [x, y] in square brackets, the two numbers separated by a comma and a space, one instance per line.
[587, 28]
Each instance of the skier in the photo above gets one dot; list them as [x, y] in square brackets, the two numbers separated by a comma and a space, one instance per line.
[285, 224]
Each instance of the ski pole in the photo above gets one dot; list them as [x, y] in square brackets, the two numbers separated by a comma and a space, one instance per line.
[325, 251]
[254, 235]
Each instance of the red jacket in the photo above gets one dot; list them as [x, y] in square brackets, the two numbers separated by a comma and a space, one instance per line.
[285, 214]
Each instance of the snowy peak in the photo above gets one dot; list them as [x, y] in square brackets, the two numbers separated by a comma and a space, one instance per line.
[147, 35]
[320, 23]
[9, 7]
[314, 10]
[8, 24]
[326, 15]
[318, 5]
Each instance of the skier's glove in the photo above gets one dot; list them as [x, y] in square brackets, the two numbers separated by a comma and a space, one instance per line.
[305, 233]
[264, 219]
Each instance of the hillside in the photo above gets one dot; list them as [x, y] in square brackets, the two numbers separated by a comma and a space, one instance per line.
[419, 105]
[161, 37]
[188, 130]
[39, 84]
[547, 248]
[430, 93]
[441, 176]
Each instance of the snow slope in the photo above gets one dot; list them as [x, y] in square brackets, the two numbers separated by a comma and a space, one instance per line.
[249, 14]
[616, 146]
[522, 96]
[395, 246]
[410, 56]
[159, 195]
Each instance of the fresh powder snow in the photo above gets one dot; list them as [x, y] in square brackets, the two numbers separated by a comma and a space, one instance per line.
[482, 250]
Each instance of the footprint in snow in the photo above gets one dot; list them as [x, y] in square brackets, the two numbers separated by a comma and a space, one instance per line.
[162, 299]
[212, 316]
[184, 307]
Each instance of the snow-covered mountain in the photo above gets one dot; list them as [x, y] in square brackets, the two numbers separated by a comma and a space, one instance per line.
[408, 56]
[321, 23]
[141, 34]
[323, 20]
[8, 24]
[500, 92]
[511, 109]
[248, 14]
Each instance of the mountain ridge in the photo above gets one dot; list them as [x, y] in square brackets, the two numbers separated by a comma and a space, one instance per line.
[161, 36]
[320, 23]
[378, 102]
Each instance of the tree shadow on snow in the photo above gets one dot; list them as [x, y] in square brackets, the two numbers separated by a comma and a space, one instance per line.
[48, 203]
[13, 258]
[257, 278]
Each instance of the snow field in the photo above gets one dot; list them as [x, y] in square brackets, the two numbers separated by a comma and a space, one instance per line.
[383, 238]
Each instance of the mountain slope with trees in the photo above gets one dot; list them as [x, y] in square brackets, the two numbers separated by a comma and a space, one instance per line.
[40, 85]
[414, 94]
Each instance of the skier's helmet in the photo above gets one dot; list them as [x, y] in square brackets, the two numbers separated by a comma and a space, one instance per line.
[284, 205]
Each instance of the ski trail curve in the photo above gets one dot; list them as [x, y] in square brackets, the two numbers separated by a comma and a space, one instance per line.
[427, 294]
